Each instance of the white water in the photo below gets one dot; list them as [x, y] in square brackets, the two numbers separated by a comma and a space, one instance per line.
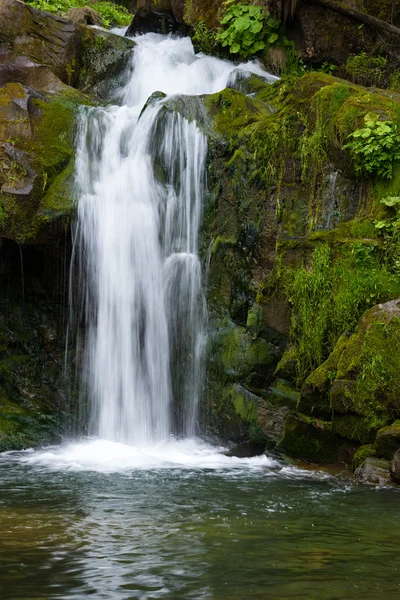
[140, 274]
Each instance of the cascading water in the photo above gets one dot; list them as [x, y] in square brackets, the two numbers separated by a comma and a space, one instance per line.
[137, 238]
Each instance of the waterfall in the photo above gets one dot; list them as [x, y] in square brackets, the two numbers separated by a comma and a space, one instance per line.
[140, 276]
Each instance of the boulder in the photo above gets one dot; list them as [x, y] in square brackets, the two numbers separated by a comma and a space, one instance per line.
[309, 439]
[156, 18]
[78, 55]
[84, 16]
[395, 467]
[36, 152]
[43, 37]
[387, 441]
[373, 470]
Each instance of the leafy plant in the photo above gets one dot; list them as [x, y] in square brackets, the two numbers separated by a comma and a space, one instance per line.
[204, 39]
[367, 70]
[375, 147]
[247, 29]
[111, 14]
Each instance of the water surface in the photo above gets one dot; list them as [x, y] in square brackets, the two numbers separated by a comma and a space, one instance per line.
[180, 521]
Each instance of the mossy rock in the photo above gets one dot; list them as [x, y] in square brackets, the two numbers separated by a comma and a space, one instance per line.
[237, 416]
[21, 428]
[40, 161]
[366, 451]
[235, 356]
[374, 471]
[315, 394]
[309, 439]
[387, 441]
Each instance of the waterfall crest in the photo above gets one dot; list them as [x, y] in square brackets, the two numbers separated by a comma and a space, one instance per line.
[140, 276]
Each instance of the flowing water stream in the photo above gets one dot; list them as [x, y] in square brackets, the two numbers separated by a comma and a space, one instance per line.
[143, 509]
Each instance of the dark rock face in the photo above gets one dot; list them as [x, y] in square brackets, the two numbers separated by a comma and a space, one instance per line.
[395, 467]
[156, 21]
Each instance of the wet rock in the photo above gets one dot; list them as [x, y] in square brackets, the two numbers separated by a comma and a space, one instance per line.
[309, 439]
[387, 440]
[272, 419]
[366, 451]
[246, 449]
[155, 20]
[395, 467]
[373, 470]
[84, 16]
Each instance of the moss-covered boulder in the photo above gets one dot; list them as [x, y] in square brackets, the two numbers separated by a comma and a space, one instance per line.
[364, 452]
[309, 439]
[373, 470]
[387, 441]
[36, 153]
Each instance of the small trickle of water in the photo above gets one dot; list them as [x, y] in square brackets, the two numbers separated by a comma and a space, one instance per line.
[141, 186]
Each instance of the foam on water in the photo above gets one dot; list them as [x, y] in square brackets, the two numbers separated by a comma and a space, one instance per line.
[106, 456]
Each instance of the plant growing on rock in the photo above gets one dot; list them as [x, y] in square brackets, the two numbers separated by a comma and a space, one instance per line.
[375, 147]
[247, 29]
[111, 14]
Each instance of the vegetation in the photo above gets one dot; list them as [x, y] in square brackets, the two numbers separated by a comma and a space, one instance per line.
[375, 147]
[247, 29]
[112, 15]
[329, 296]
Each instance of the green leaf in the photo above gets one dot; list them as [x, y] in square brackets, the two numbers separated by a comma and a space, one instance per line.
[255, 26]
[391, 200]
[272, 38]
[242, 23]
[234, 48]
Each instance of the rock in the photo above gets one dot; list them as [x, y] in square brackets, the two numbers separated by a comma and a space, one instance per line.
[236, 356]
[246, 450]
[22, 70]
[387, 441]
[272, 419]
[367, 451]
[309, 439]
[36, 150]
[322, 35]
[103, 62]
[395, 467]
[156, 20]
[316, 392]
[43, 37]
[76, 54]
[373, 470]
[84, 16]
[237, 416]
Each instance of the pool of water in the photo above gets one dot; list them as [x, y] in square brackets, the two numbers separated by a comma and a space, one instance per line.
[180, 521]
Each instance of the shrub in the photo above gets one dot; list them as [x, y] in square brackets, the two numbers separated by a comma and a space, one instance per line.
[247, 29]
[375, 147]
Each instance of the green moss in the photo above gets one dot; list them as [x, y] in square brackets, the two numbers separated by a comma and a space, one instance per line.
[367, 451]
[388, 441]
[355, 427]
[309, 439]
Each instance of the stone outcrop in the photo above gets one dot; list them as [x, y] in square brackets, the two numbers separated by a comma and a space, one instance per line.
[78, 55]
